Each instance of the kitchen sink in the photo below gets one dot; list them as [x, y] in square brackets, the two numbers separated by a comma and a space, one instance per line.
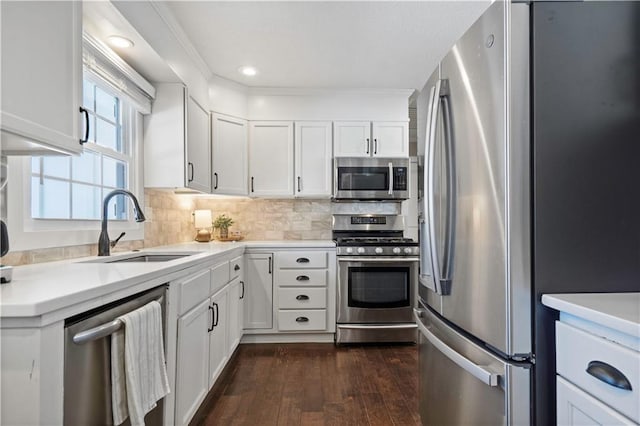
[142, 257]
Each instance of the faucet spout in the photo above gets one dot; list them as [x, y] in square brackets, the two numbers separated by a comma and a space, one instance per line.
[104, 243]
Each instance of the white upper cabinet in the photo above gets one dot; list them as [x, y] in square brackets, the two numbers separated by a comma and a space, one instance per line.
[352, 138]
[390, 139]
[367, 139]
[229, 148]
[176, 141]
[271, 158]
[313, 159]
[41, 77]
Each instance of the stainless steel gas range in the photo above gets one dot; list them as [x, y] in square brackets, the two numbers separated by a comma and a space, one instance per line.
[377, 279]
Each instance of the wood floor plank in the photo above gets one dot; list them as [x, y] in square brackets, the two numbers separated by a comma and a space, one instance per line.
[317, 384]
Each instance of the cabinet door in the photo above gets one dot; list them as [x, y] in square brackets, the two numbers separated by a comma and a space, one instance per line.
[236, 294]
[192, 363]
[313, 152]
[575, 407]
[258, 298]
[41, 76]
[218, 331]
[229, 162]
[271, 159]
[390, 139]
[198, 165]
[352, 139]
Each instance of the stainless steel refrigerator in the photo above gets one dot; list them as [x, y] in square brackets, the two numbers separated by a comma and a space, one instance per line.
[529, 183]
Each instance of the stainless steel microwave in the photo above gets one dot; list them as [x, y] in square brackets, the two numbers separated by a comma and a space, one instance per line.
[371, 178]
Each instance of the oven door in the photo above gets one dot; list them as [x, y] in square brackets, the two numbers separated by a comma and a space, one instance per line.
[376, 290]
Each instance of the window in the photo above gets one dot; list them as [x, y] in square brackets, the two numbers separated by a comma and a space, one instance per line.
[73, 188]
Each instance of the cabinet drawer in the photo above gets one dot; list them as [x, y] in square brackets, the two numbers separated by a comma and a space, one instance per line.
[576, 407]
[193, 290]
[302, 298]
[235, 267]
[577, 351]
[220, 276]
[302, 277]
[300, 320]
[302, 259]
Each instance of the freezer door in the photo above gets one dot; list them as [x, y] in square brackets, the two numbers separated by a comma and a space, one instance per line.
[463, 384]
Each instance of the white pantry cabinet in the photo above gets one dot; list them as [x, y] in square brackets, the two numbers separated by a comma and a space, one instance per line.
[177, 148]
[313, 159]
[229, 150]
[41, 77]
[371, 139]
[258, 300]
[271, 158]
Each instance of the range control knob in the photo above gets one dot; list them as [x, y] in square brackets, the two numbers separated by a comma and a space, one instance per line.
[408, 250]
[360, 250]
[349, 250]
[378, 250]
[396, 250]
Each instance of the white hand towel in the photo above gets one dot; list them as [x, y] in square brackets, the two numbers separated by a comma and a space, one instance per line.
[138, 371]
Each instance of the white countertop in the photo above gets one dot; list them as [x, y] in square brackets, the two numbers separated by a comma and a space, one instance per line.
[618, 311]
[39, 289]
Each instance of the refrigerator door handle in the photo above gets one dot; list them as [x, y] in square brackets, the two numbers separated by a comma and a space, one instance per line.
[447, 263]
[480, 372]
[431, 141]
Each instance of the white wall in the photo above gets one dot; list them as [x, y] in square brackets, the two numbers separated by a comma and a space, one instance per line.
[305, 104]
[228, 97]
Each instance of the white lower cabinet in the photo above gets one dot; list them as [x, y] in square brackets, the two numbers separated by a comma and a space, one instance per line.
[192, 362]
[218, 330]
[207, 333]
[236, 312]
[258, 300]
[576, 407]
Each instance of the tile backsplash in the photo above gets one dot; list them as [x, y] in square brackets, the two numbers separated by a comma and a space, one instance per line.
[169, 221]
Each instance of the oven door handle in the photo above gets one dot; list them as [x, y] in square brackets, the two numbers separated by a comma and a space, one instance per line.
[377, 259]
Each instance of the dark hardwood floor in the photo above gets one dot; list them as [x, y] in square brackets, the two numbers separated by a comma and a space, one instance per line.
[316, 384]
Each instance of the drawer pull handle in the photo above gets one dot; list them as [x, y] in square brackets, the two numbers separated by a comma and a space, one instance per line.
[302, 297]
[236, 268]
[302, 319]
[302, 260]
[608, 374]
[302, 278]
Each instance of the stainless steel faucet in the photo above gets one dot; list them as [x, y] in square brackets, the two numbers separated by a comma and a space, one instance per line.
[104, 243]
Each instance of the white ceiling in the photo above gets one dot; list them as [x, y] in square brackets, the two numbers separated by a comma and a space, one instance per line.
[359, 44]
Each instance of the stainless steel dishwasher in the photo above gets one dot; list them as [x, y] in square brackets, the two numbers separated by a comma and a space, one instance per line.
[87, 360]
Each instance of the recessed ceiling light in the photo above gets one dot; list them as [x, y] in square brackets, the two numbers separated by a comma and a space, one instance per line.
[119, 41]
[248, 71]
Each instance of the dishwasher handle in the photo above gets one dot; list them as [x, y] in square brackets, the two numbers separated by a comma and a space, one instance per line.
[102, 330]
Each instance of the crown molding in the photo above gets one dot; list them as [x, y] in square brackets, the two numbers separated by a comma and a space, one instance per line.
[176, 29]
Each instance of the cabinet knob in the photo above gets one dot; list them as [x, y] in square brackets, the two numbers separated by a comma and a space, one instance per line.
[236, 268]
[302, 297]
[302, 319]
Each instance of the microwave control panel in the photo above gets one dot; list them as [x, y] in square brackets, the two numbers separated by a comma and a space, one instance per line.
[399, 178]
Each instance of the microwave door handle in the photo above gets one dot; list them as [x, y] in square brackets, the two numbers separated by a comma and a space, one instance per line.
[390, 178]
[431, 153]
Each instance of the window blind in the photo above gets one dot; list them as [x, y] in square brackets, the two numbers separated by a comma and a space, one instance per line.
[103, 63]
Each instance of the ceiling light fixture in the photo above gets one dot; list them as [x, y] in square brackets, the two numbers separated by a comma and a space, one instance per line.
[119, 41]
[248, 71]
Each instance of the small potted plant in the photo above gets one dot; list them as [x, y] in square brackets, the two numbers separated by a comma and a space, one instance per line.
[223, 222]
